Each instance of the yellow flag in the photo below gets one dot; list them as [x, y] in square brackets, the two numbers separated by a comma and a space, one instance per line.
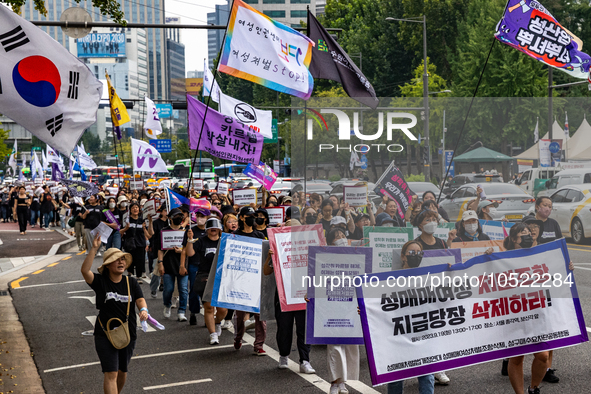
[119, 113]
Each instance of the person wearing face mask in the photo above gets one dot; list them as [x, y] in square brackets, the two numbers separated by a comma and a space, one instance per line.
[21, 209]
[470, 229]
[123, 203]
[92, 218]
[112, 218]
[428, 195]
[411, 256]
[201, 215]
[135, 234]
[310, 215]
[157, 226]
[427, 222]
[262, 221]
[550, 230]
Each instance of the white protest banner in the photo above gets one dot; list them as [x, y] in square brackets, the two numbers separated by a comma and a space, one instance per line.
[84, 160]
[171, 238]
[104, 230]
[146, 158]
[355, 196]
[331, 316]
[290, 261]
[383, 240]
[149, 209]
[210, 86]
[51, 183]
[489, 308]
[113, 190]
[29, 183]
[237, 282]
[495, 230]
[164, 183]
[136, 185]
[198, 184]
[54, 189]
[276, 215]
[477, 248]
[223, 188]
[152, 124]
[38, 181]
[243, 197]
[257, 119]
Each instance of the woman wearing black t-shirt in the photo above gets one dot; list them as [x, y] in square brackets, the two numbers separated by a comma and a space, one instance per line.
[427, 222]
[113, 292]
[21, 209]
[135, 234]
[550, 230]
[35, 211]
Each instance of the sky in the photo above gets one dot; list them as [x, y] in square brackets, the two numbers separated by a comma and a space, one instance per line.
[193, 12]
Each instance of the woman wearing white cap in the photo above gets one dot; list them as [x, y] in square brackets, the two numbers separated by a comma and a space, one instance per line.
[114, 295]
[470, 229]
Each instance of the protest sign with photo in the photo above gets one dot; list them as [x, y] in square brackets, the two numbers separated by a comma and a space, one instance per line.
[237, 282]
[290, 261]
[477, 248]
[489, 308]
[392, 185]
[355, 196]
[243, 197]
[331, 316]
[276, 215]
[383, 240]
[172, 238]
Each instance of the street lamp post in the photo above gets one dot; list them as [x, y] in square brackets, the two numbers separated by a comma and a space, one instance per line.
[427, 157]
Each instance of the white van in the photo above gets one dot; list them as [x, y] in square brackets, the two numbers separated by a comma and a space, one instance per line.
[567, 177]
[528, 178]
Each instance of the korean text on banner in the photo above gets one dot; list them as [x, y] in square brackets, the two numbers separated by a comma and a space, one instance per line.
[530, 28]
[223, 137]
[257, 119]
[264, 51]
[198, 184]
[276, 215]
[41, 77]
[392, 185]
[104, 230]
[495, 230]
[290, 261]
[331, 316]
[243, 197]
[477, 248]
[136, 185]
[223, 188]
[473, 323]
[262, 173]
[355, 196]
[149, 209]
[237, 282]
[383, 240]
[172, 238]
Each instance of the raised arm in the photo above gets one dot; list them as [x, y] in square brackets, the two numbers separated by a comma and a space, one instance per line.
[87, 264]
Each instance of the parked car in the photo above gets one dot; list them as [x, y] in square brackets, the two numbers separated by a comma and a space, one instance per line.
[421, 187]
[566, 177]
[464, 179]
[571, 208]
[513, 202]
[533, 181]
[282, 186]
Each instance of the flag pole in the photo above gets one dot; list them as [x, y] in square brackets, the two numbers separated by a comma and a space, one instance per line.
[114, 139]
[215, 74]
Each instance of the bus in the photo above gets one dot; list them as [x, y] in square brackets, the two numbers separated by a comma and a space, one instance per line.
[204, 169]
[230, 170]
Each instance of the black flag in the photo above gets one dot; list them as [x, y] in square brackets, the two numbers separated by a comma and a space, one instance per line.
[330, 61]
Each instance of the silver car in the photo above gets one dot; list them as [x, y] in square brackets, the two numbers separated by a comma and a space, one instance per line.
[513, 201]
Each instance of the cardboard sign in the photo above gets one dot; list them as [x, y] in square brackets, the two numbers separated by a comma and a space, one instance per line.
[172, 238]
[276, 215]
[243, 197]
[355, 196]
[223, 188]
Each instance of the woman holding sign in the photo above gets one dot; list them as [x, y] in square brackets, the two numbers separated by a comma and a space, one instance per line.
[112, 218]
[135, 234]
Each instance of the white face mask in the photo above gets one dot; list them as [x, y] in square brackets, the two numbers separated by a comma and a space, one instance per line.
[112, 205]
[341, 242]
[389, 224]
[492, 211]
[430, 227]
[471, 228]
[123, 205]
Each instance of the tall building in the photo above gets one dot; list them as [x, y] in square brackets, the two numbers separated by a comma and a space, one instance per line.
[288, 12]
[320, 6]
[175, 61]
[214, 37]
[142, 11]
[195, 74]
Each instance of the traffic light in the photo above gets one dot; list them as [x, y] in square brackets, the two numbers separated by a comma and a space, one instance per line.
[426, 154]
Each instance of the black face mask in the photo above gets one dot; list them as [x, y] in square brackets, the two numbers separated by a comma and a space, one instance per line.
[249, 221]
[311, 219]
[260, 221]
[414, 261]
[177, 220]
[526, 241]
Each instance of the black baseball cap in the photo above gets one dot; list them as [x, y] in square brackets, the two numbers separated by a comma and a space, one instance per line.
[247, 211]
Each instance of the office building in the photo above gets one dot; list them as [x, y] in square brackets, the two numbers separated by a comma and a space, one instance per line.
[288, 12]
[214, 37]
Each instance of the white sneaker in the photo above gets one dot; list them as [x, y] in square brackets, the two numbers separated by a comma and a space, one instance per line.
[167, 312]
[227, 325]
[213, 339]
[249, 324]
[218, 329]
[441, 378]
[334, 388]
[305, 367]
[181, 316]
[175, 302]
[283, 362]
[343, 389]
[144, 276]
[99, 254]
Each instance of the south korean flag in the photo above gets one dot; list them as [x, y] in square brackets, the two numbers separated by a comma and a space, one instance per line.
[43, 87]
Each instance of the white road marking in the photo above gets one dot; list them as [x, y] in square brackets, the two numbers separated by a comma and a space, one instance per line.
[79, 291]
[1, 243]
[582, 268]
[588, 329]
[51, 284]
[162, 386]
[92, 299]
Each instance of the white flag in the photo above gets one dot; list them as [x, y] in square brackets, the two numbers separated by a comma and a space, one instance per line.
[146, 158]
[354, 161]
[44, 161]
[24, 160]
[536, 132]
[84, 160]
[12, 159]
[45, 88]
[258, 120]
[208, 89]
[52, 156]
[37, 169]
[152, 123]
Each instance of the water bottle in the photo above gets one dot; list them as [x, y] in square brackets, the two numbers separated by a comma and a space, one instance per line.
[482, 195]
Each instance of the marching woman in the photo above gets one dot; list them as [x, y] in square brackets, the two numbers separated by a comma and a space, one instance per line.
[135, 233]
[35, 210]
[114, 295]
[21, 209]
[112, 218]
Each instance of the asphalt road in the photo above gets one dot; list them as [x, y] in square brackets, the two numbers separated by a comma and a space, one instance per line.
[55, 307]
[36, 241]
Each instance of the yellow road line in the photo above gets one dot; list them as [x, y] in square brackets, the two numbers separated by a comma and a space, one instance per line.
[15, 284]
[582, 246]
[53, 265]
[78, 254]
[38, 272]
[582, 250]
[65, 258]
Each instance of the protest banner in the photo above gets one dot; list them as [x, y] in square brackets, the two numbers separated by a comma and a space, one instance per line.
[52, 183]
[276, 215]
[331, 316]
[199, 203]
[290, 261]
[223, 188]
[441, 256]
[383, 240]
[237, 282]
[441, 232]
[258, 120]
[477, 248]
[146, 158]
[111, 218]
[243, 197]
[489, 308]
[149, 209]
[496, 231]
[198, 184]
[171, 238]
[104, 230]
[80, 188]
[355, 196]
[113, 190]
[54, 189]
[261, 173]
[136, 185]
[392, 185]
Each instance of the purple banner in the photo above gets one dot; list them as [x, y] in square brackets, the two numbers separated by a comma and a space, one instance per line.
[223, 136]
[56, 173]
[111, 218]
[262, 173]
[530, 28]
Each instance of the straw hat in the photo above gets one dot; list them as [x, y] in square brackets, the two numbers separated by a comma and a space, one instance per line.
[112, 255]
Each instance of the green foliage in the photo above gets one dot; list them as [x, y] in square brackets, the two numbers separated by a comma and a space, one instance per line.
[415, 88]
[415, 178]
[334, 178]
[5, 151]
[110, 8]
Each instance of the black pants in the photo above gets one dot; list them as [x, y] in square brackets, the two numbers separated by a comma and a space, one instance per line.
[284, 336]
[22, 213]
[139, 261]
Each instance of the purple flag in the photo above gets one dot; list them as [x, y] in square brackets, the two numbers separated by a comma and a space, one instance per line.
[117, 131]
[223, 136]
[56, 173]
[530, 28]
